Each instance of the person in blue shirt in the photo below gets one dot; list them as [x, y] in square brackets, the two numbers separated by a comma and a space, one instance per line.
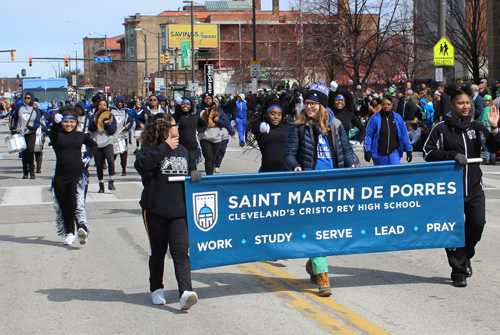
[241, 118]
[427, 112]
[317, 141]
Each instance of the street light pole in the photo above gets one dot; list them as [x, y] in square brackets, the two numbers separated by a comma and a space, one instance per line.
[193, 70]
[192, 46]
[105, 53]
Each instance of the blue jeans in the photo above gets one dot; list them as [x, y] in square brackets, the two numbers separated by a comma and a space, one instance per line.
[391, 159]
[241, 125]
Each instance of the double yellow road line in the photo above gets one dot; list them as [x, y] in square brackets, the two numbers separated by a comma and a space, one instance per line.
[318, 309]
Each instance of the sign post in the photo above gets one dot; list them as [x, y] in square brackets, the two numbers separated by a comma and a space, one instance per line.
[255, 69]
[209, 78]
[444, 55]
[439, 74]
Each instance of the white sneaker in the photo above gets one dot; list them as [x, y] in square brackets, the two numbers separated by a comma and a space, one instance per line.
[188, 299]
[217, 170]
[158, 297]
[70, 238]
[82, 236]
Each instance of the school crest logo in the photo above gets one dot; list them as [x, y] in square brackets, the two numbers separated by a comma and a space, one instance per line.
[205, 210]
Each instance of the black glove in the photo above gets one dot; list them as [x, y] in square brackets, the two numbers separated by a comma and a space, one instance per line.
[368, 156]
[461, 159]
[195, 176]
[409, 156]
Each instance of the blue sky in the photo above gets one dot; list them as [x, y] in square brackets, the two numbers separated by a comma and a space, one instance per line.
[49, 28]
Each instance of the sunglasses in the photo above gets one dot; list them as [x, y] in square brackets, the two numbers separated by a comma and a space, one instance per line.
[153, 100]
[27, 98]
[175, 125]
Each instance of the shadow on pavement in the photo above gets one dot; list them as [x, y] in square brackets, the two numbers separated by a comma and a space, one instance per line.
[35, 240]
[104, 295]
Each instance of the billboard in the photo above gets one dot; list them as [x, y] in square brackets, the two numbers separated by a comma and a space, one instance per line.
[205, 35]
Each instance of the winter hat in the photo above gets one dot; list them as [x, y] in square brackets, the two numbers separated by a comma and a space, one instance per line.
[487, 97]
[484, 81]
[318, 93]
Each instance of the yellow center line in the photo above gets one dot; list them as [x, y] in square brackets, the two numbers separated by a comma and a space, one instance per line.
[326, 321]
[341, 311]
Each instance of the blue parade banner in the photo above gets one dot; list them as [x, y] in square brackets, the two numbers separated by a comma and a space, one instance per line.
[242, 218]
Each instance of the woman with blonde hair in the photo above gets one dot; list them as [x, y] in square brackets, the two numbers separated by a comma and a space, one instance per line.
[210, 138]
[317, 141]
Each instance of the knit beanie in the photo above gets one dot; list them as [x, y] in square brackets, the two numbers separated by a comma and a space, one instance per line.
[318, 93]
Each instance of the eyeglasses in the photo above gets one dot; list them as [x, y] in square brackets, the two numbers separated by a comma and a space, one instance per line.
[153, 100]
[27, 98]
[311, 103]
[175, 125]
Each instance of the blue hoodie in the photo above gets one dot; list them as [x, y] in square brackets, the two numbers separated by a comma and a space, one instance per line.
[28, 109]
[427, 112]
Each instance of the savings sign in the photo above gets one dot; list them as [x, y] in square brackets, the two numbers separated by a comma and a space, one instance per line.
[205, 35]
[257, 217]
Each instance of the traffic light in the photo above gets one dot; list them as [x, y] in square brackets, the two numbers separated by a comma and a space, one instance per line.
[13, 55]
[31, 61]
[167, 57]
[66, 63]
[162, 59]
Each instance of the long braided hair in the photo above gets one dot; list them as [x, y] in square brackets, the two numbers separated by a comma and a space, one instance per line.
[258, 117]
[156, 131]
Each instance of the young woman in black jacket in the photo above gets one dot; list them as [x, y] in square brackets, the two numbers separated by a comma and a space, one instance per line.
[164, 206]
[458, 138]
[71, 177]
[269, 134]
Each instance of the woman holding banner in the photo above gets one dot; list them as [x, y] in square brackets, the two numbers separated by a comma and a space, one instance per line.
[317, 141]
[164, 206]
[269, 133]
[458, 137]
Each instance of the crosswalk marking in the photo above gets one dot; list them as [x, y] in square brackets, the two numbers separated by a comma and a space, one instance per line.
[22, 195]
[33, 195]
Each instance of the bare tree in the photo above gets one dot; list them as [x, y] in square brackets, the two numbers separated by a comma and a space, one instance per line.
[349, 35]
[80, 78]
[466, 27]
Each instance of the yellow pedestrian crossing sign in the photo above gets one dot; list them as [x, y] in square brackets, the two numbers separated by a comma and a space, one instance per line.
[444, 53]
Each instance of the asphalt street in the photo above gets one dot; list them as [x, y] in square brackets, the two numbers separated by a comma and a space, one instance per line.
[102, 287]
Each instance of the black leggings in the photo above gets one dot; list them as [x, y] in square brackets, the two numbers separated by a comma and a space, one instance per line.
[69, 203]
[162, 233]
[209, 151]
[101, 154]
[29, 154]
[123, 159]
[475, 219]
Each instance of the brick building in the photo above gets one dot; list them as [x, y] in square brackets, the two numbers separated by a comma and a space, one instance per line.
[275, 31]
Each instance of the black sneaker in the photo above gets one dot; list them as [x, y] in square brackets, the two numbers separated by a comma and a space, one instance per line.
[469, 269]
[459, 280]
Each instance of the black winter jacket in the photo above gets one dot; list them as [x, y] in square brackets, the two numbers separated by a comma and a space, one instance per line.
[451, 137]
[155, 165]
[302, 142]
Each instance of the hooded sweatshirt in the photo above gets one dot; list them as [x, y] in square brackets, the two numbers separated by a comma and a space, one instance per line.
[122, 116]
[451, 137]
[26, 117]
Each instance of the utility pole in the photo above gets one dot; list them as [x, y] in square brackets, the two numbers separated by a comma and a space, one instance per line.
[442, 29]
[254, 52]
